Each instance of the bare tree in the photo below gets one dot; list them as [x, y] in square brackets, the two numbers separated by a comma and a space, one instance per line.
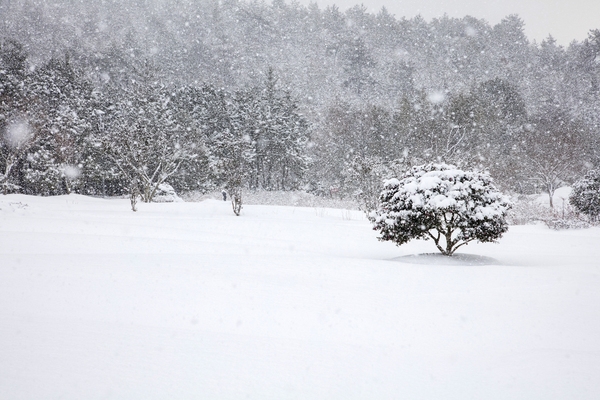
[134, 193]
[552, 151]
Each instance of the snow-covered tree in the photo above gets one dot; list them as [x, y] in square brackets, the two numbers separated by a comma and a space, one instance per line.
[553, 150]
[268, 116]
[233, 166]
[365, 177]
[16, 135]
[204, 113]
[455, 90]
[357, 64]
[588, 59]
[60, 112]
[144, 140]
[585, 196]
[16, 139]
[440, 202]
[231, 154]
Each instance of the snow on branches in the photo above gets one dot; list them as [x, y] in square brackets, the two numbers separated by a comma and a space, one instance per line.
[440, 202]
[585, 196]
[145, 139]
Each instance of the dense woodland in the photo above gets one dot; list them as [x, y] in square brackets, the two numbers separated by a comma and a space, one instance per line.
[234, 94]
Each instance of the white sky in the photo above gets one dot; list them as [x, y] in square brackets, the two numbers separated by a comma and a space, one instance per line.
[566, 20]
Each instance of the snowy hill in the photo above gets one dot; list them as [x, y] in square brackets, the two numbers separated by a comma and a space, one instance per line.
[185, 300]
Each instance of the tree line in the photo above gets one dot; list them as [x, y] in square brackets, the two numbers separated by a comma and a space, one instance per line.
[486, 128]
[311, 98]
[63, 135]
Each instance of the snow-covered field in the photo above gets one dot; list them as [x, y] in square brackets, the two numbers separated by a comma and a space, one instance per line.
[187, 301]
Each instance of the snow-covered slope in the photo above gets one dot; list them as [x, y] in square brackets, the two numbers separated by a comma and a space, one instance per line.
[187, 301]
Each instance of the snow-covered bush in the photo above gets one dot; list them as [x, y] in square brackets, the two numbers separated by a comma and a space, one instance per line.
[570, 222]
[440, 202]
[277, 198]
[535, 208]
[165, 194]
[585, 196]
[526, 210]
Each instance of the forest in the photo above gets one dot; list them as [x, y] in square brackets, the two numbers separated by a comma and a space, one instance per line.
[239, 94]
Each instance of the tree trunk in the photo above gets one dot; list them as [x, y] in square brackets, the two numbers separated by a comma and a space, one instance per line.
[236, 201]
[550, 196]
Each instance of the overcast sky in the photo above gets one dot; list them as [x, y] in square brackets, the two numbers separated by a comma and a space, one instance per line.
[566, 20]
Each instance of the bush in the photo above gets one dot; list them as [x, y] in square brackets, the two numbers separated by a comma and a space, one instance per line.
[528, 210]
[440, 202]
[165, 194]
[585, 196]
[560, 224]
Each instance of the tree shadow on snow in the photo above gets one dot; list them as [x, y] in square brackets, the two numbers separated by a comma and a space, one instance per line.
[440, 259]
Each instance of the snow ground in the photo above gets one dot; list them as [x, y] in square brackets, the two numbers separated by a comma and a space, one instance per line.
[187, 301]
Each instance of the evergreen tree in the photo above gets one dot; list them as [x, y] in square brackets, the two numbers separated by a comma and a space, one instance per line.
[60, 114]
[440, 202]
[585, 196]
[269, 117]
[16, 134]
[357, 65]
[144, 139]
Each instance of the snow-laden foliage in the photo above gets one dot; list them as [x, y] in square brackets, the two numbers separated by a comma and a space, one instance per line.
[300, 92]
[166, 194]
[585, 196]
[146, 141]
[443, 203]
[365, 177]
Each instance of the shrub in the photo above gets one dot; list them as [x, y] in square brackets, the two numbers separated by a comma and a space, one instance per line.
[440, 202]
[585, 196]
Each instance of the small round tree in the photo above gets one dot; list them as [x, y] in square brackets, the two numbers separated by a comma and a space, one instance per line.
[585, 196]
[443, 203]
